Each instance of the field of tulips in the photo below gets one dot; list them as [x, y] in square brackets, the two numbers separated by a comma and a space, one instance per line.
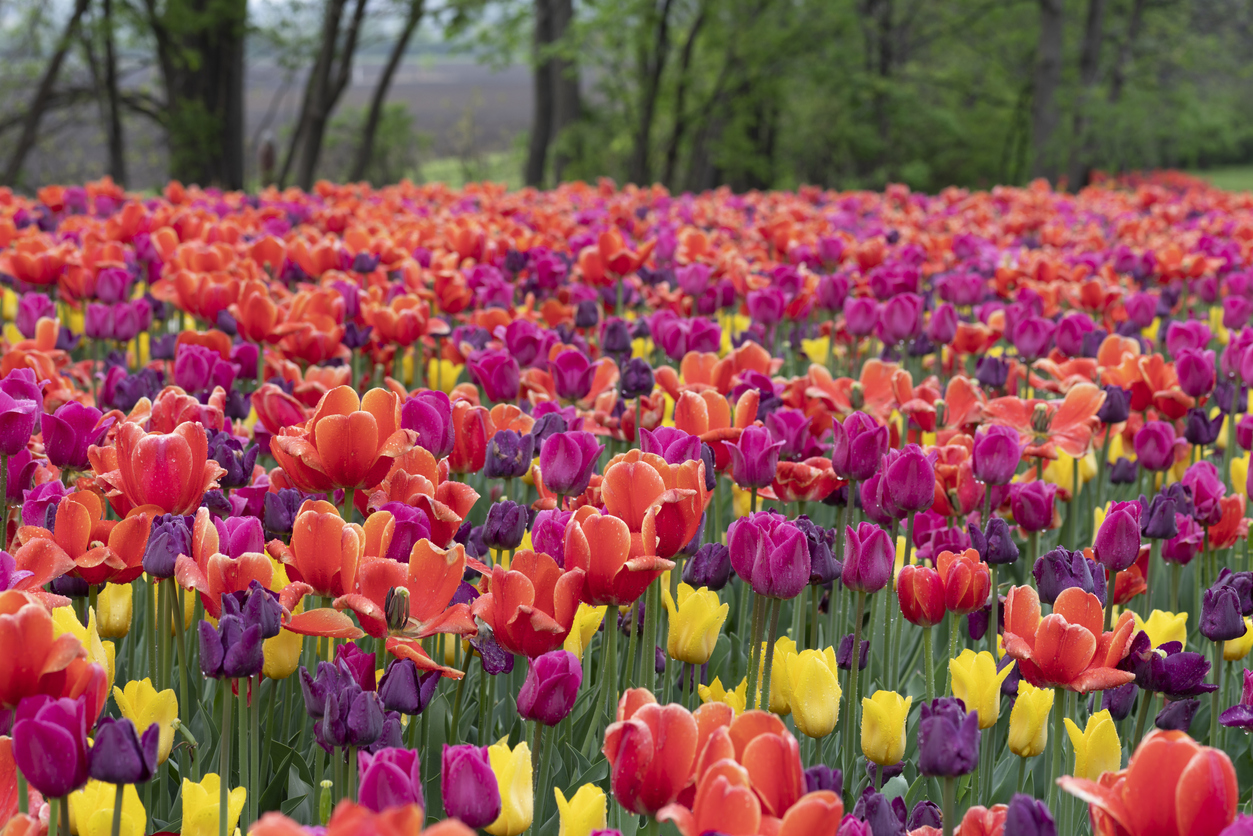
[606, 511]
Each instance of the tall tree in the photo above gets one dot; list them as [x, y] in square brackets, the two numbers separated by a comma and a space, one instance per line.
[1089, 66]
[567, 98]
[652, 63]
[366, 148]
[544, 92]
[1047, 78]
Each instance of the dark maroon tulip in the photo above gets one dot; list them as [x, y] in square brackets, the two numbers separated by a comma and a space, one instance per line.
[1177, 716]
[572, 374]
[429, 414]
[505, 525]
[1118, 540]
[1167, 669]
[909, 477]
[566, 461]
[403, 688]
[551, 687]
[468, 785]
[859, 444]
[497, 372]
[710, 567]
[389, 778]
[1155, 446]
[754, 458]
[637, 378]
[1221, 619]
[1032, 504]
[997, 452]
[509, 454]
[868, 558]
[948, 738]
[50, 744]
[120, 756]
[770, 553]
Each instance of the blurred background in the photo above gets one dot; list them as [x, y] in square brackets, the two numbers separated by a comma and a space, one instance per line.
[694, 94]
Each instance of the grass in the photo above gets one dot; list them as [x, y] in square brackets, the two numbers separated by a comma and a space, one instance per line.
[1232, 178]
[497, 167]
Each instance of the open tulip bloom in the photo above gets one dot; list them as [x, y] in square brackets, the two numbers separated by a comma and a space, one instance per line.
[413, 510]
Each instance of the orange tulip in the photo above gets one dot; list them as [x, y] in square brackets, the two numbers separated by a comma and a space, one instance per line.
[211, 573]
[169, 470]
[724, 803]
[68, 547]
[966, 581]
[432, 576]
[600, 545]
[417, 479]
[348, 443]
[325, 550]
[472, 427]
[256, 314]
[661, 503]
[809, 481]
[33, 658]
[980, 821]
[1172, 786]
[651, 752]
[1066, 649]
[531, 607]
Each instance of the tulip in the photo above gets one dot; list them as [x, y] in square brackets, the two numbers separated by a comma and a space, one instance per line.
[602, 546]
[50, 743]
[497, 372]
[468, 785]
[1171, 785]
[1097, 749]
[202, 806]
[1029, 720]
[868, 559]
[948, 739]
[646, 777]
[1157, 518]
[429, 415]
[673, 445]
[169, 470]
[402, 688]
[1177, 715]
[901, 317]
[509, 455]
[119, 756]
[709, 567]
[995, 545]
[860, 443]
[1059, 569]
[1162, 627]
[1200, 429]
[572, 375]
[921, 595]
[695, 622]
[513, 771]
[637, 378]
[32, 307]
[584, 813]
[114, 607]
[1067, 648]
[1032, 504]
[813, 691]
[1236, 649]
[1033, 336]
[861, 314]
[140, 703]
[909, 478]
[69, 431]
[1155, 446]
[737, 698]
[883, 721]
[550, 688]
[1221, 618]
[389, 778]
[325, 551]
[1167, 670]
[232, 649]
[1195, 369]
[505, 525]
[587, 622]
[977, 683]
[91, 810]
[754, 458]
[566, 462]
[966, 580]
[1118, 539]
[770, 553]
[997, 452]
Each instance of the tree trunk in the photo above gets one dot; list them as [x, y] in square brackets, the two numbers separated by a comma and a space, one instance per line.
[117, 140]
[680, 97]
[328, 88]
[651, 69]
[567, 99]
[366, 149]
[1118, 78]
[1089, 65]
[39, 102]
[1048, 74]
[544, 105]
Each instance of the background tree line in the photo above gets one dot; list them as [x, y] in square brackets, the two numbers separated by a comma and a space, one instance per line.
[690, 93]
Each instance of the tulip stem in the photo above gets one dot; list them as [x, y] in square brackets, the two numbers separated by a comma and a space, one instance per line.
[928, 662]
[1022, 774]
[776, 604]
[224, 764]
[609, 677]
[453, 734]
[54, 808]
[754, 666]
[633, 619]
[23, 795]
[347, 508]
[994, 620]
[852, 727]
[117, 810]
[648, 656]
[1175, 570]
[1110, 589]
[485, 734]
[254, 745]
[952, 649]
[950, 801]
[1214, 728]
[813, 619]
[1059, 711]
[245, 776]
[1155, 554]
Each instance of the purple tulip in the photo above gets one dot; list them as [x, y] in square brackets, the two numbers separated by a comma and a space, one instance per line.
[859, 445]
[994, 543]
[992, 372]
[1032, 504]
[238, 535]
[551, 687]
[572, 375]
[1207, 490]
[1240, 715]
[1033, 336]
[120, 756]
[50, 744]
[1167, 669]
[1221, 617]
[98, 321]
[1242, 826]
[844, 655]
[1028, 816]
[39, 505]
[754, 458]
[693, 279]
[791, 427]
[1157, 518]
[822, 777]
[1196, 371]
[948, 738]
[17, 422]
[468, 785]
[279, 510]
[909, 477]
[1177, 716]
[10, 575]
[389, 778]
[111, 286]
[637, 378]
[198, 369]
[943, 325]
[770, 553]
[130, 318]
[566, 461]
[709, 567]
[673, 445]
[505, 525]
[31, 308]
[352, 718]
[358, 664]
[832, 291]
[231, 650]
[1071, 331]
[1141, 309]
[766, 305]
[235, 458]
[1190, 334]
[525, 343]
[1186, 543]
[1060, 569]
[997, 452]
[902, 318]
[403, 688]
[1199, 429]
[1118, 540]
[429, 414]
[509, 455]
[876, 503]
[1236, 312]
[861, 314]
[868, 558]
[497, 372]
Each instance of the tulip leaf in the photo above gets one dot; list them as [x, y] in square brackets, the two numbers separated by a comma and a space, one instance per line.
[299, 803]
[272, 797]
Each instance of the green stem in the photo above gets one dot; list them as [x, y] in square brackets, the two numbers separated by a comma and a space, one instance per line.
[853, 727]
[23, 795]
[952, 651]
[54, 809]
[224, 764]
[346, 510]
[485, 734]
[928, 662]
[254, 746]
[814, 598]
[754, 666]
[993, 615]
[950, 801]
[632, 640]
[648, 658]
[1109, 597]
[1059, 728]
[1146, 700]
[117, 810]
[776, 604]
[1214, 728]
[245, 777]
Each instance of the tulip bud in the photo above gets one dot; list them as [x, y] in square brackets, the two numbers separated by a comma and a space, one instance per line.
[869, 558]
[389, 778]
[754, 458]
[1029, 816]
[567, 460]
[1123, 472]
[1032, 504]
[1199, 429]
[637, 378]
[997, 452]
[857, 395]
[844, 656]
[921, 594]
[550, 688]
[1155, 446]
[1177, 715]
[1221, 618]
[948, 739]
[710, 567]
[429, 414]
[1119, 701]
[1116, 407]
[910, 479]
[1118, 539]
[884, 716]
[1029, 720]
[50, 744]
[396, 608]
[119, 756]
[505, 525]
[813, 691]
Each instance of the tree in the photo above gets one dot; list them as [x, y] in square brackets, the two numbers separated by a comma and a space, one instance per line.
[1048, 76]
[1089, 64]
[375, 113]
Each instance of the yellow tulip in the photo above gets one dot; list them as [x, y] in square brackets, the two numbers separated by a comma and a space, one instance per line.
[1237, 649]
[587, 620]
[1097, 749]
[1165, 627]
[1061, 471]
[282, 654]
[513, 774]
[784, 653]
[741, 501]
[694, 623]
[818, 350]
[64, 620]
[140, 703]
[714, 692]
[883, 717]
[91, 810]
[977, 683]
[586, 811]
[1240, 474]
[201, 803]
[442, 374]
[814, 691]
[114, 605]
[1029, 720]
